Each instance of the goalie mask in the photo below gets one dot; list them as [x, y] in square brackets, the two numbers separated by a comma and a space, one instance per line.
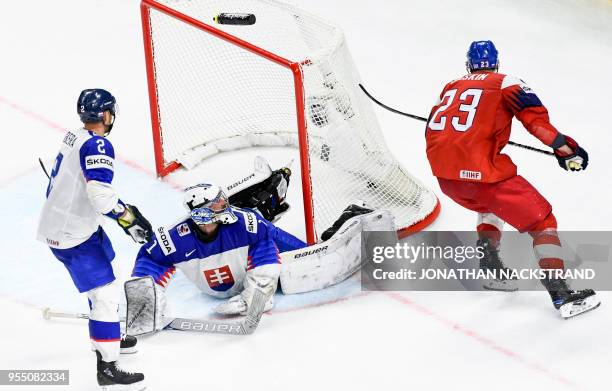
[208, 204]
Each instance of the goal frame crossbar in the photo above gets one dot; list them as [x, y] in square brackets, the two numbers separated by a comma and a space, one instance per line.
[163, 168]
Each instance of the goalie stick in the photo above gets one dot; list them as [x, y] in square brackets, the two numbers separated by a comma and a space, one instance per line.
[244, 327]
[208, 326]
[391, 109]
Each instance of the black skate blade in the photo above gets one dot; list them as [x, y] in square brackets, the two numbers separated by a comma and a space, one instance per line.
[501, 285]
[579, 307]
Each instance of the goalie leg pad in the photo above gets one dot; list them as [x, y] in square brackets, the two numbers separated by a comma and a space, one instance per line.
[333, 261]
[146, 304]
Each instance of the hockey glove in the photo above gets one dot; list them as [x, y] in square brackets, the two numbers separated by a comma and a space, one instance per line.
[135, 225]
[271, 201]
[268, 197]
[578, 160]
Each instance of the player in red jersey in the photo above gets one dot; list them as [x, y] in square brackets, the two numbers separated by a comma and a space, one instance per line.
[465, 134]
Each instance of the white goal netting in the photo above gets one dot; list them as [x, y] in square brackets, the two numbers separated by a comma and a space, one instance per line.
[214, 96]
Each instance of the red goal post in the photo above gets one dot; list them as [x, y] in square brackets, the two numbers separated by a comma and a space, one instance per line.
[313, 220]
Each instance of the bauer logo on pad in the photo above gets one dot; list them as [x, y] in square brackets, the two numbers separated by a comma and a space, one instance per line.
[220, 279]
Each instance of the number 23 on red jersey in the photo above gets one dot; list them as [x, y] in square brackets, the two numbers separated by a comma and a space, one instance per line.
[460, 115]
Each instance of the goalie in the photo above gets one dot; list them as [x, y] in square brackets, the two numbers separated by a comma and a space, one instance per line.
[228, 252]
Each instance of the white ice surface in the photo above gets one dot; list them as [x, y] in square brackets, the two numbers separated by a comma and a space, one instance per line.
[339, 338]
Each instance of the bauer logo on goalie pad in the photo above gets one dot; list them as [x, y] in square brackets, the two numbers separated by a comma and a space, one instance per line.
[183, 229]
[320, 250]
[220, 279]
[240, 182]
[164, 240]
[99, 161]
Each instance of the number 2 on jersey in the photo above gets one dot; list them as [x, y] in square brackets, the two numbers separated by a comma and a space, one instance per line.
[469, 108]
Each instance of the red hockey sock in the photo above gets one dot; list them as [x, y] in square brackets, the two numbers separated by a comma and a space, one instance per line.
[546, 244]
[489, 231]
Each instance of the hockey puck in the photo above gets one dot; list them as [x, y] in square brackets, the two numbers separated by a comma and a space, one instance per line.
[235, 18]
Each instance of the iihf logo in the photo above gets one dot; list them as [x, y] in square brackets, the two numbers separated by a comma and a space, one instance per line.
[220, 279]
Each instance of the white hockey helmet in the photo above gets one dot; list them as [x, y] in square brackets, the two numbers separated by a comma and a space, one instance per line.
[208, 204]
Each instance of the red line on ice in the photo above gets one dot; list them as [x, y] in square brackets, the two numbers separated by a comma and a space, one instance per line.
[53, 125]
[7, 181]
[322, 304]
[476, 337]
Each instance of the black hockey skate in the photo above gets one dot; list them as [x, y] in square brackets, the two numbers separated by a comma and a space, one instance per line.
[111, 377]
[570, 303]
[348, 213]
[492, 261]
[128, 344]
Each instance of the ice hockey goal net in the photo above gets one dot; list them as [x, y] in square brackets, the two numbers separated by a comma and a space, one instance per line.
[287, 80]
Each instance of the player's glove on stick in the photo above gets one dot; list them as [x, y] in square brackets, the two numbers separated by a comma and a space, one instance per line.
[135, 225]
[579, 160]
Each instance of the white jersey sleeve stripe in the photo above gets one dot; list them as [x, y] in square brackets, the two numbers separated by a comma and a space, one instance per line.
[509, 81]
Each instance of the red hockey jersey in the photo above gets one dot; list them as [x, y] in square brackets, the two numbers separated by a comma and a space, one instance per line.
[470, 125]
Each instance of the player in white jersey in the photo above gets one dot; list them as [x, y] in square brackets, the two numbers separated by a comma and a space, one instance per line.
[79, 193]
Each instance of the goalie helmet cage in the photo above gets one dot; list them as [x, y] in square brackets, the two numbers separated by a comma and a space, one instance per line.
[287, 80]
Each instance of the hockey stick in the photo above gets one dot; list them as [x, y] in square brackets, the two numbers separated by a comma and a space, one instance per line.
[48, 314]
[530, 148]
[245, 327]
[42, 165]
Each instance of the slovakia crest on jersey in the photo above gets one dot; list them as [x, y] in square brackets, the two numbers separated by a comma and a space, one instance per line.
[220, 279]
